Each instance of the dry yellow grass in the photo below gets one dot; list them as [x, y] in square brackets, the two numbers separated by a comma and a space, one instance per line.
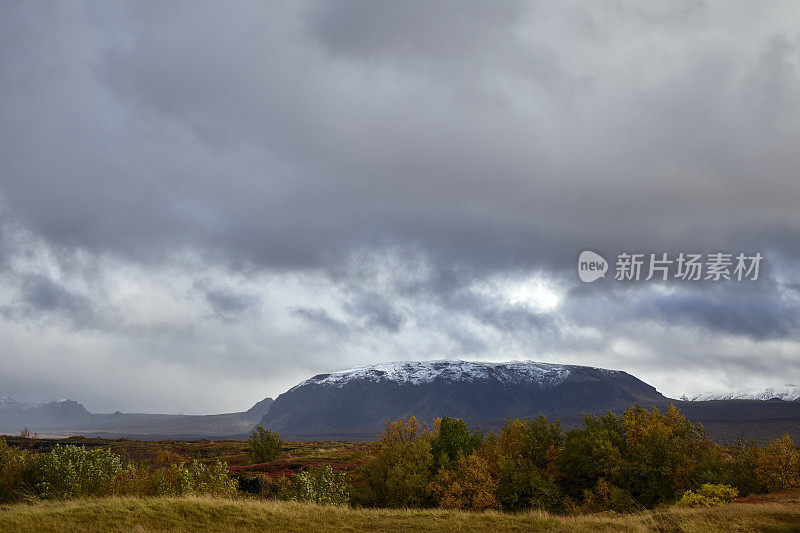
[208, 514]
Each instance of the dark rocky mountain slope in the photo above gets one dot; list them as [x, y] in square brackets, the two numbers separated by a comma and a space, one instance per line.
[354, 403]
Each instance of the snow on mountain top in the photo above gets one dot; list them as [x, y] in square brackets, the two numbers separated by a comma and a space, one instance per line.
[5, 401]
[788, 393]
[10, 403]
[545, 375]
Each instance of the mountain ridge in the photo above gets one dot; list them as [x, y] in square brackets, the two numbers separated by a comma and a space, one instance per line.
[355, 402]
[69, 417]
[352, 404]
[787, 393]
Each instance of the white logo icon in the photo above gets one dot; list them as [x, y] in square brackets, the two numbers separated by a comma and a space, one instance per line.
[591, 266]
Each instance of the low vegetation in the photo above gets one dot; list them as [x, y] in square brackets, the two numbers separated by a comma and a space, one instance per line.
[621, 463]
[73, 472]
[214, 514]
[652, 467]
[264, 445]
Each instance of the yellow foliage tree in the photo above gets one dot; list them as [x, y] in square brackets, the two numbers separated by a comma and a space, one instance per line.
[403, 431]
[778, 465]
[661, 451]
[470, 487]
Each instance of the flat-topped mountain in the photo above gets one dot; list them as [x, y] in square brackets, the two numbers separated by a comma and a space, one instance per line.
[354, 403]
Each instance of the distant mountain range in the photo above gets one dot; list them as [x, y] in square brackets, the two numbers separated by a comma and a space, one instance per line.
[787, 393]
[14, 414]
[352, 404]
[67, 417]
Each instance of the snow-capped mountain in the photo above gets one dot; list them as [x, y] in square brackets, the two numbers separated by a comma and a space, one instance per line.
[787, 393]
[544, 375]
[354, 403]
[15, 415]
[10, 403]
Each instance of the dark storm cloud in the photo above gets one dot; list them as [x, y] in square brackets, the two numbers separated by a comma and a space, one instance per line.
[42, 298]
[227, 303]
[471, 139]
[761, 309]
[376, 310]
[451, 34]
[321, 317]
[312, 138]
[760, 316]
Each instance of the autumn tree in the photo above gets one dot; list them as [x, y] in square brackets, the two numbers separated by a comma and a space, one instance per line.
[528, 469]
[661, 451]
[399, 472]
[778, 465]
[470, 486]
[594, 453]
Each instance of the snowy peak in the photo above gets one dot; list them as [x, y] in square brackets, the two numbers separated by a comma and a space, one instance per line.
[544, 375]
[10, 403]
[787, 393]
[355, 403]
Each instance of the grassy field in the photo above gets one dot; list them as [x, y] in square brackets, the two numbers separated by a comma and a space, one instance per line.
[340, 455]
[781, 513]
[770, 512]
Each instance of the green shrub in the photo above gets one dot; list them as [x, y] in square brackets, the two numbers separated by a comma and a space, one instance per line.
[452, 440]
[528, 464]
[13, 466]
[264, 445]
[320, 485]
[197, 478]
[194, 479]
[708, 495]
[522, 487]
[72, 471]
[530, 442]
[740, 469]
[398, 475]
[593, 453]
[607, 497]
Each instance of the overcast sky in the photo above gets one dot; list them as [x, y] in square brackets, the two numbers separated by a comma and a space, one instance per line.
[203, 203]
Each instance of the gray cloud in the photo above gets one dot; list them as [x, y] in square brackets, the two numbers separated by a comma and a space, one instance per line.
[227, 303]
[760, 316]
[390, 158]
[376, 310]
[320, 318]
[42, 298]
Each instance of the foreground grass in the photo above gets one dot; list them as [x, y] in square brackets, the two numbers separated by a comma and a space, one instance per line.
[207, 514]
